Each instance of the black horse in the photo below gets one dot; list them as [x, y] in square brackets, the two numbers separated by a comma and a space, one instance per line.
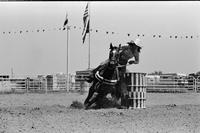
[105, 78]
[127, 52]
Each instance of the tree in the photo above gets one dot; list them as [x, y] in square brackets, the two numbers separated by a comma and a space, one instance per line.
[157, 72]
[194, 75]
[160, 73]
[198, 73]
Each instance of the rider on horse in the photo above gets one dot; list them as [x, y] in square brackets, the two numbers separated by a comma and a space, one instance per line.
[129, 50]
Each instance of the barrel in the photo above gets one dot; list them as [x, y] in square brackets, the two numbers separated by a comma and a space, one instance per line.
[136, 86]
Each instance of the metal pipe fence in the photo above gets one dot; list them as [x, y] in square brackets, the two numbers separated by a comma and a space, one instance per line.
[36, 84]
[59, 83]
[172, 84]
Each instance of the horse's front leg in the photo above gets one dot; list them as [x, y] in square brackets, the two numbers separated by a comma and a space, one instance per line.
[97, 96]
[92, 100]
[91, 92]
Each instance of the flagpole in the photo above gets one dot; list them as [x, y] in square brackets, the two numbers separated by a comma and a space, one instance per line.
[89, 38]
[67, 64]
[89, 52]
[67, 56]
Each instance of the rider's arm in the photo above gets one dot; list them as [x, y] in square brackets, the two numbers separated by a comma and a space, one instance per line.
[133, 62]
[136, 61]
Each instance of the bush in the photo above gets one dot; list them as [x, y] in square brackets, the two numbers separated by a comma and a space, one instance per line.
[77, 105]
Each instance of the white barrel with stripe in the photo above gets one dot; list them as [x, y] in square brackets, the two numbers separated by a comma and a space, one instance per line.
[136, 86]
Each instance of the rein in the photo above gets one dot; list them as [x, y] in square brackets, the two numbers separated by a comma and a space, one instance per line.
[123, 65]
[107, 81]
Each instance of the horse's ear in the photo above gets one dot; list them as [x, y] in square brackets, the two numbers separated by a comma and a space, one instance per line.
[111, 46]
[120, 46]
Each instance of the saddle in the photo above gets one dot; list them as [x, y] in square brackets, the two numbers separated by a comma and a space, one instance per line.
[97, 73]
[105, 81]
[91, 76]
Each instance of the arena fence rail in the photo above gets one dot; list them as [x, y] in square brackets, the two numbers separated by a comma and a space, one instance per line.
[72, 83]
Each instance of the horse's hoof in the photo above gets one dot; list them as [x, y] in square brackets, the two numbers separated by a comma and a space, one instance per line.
[86, 107]
[122, 107]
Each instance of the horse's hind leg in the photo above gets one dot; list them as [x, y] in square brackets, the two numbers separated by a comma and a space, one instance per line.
[124, 95]
[116, 97]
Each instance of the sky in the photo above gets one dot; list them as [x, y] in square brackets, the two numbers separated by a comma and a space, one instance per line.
[35, 53]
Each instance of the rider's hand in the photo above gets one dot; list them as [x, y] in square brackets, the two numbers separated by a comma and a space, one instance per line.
[131, 62]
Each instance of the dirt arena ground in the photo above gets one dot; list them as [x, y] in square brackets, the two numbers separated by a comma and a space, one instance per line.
[51, 113]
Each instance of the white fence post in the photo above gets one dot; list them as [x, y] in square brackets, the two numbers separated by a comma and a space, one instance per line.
[198, 83]
[195, 85]
[27, 84]
[67, 82]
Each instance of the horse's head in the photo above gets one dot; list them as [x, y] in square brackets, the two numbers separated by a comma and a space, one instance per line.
[114, 55]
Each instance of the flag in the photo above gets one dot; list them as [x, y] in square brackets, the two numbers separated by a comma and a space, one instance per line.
[86, 23]
[66, 21]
